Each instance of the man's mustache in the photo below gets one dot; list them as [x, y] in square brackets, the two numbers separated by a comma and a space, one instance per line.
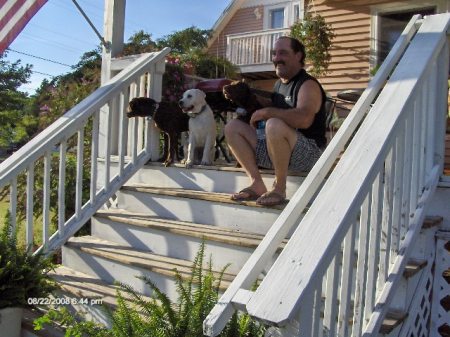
[278, 62]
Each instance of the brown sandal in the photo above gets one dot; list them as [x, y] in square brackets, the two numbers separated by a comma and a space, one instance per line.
[271, 198]
[250, 195]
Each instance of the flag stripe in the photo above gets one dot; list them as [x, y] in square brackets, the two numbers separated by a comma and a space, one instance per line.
[15, 19]
[11, 9]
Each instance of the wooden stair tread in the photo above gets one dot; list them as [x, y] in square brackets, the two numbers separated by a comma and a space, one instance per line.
[209, 232]
[143, 259]
[432, 221]
[227, 167]
[84, 286]
[193, 194]
[413, 267]
[392, 320]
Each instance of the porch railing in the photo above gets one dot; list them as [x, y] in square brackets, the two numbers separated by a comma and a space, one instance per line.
[42, 172]
[373, 203]
[252, 48]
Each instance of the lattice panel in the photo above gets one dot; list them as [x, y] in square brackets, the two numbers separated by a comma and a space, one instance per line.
[441, 289]
[417, 324]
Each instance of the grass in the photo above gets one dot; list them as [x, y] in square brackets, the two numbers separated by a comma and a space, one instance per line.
[21, 228]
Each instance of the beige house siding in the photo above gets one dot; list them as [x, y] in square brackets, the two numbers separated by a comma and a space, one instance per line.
[244, 21]
[351, 21]
[349, 67]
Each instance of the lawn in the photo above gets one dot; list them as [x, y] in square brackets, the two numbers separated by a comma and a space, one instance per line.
[4, 205]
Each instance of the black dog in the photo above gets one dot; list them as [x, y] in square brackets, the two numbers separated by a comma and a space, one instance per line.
[168, 117]
[247, 98]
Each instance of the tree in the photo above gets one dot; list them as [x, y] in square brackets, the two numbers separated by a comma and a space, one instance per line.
[17, 121]
[317, 35]
[140, 42]
[187, 40]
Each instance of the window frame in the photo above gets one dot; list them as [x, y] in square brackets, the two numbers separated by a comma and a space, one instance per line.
[377, 10]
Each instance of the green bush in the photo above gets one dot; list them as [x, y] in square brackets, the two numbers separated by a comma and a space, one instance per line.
[136, 316]
[23, 276]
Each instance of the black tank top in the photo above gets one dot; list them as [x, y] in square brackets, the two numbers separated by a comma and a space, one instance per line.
[285, 97]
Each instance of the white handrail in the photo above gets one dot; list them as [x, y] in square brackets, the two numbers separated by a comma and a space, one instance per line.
[144, 73]
[222, 312]
[407, 117]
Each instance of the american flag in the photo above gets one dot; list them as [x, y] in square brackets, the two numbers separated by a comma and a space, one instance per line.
[14, 15]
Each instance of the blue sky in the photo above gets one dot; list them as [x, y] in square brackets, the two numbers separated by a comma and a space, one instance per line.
[59, 33]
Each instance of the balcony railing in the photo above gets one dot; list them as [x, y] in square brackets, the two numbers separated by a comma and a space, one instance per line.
[252, 48]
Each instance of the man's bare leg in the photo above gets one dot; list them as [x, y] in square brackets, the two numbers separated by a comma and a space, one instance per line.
[281, 140]
[241, 139]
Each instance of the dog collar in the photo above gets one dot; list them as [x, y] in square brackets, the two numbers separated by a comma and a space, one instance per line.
[193, 115]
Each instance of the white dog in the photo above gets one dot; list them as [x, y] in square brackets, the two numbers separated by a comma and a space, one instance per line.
[202, 126]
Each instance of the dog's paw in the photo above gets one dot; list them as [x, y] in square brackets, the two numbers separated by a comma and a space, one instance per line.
[188, 164]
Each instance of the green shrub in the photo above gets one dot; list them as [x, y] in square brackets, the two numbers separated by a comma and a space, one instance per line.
[136, 316]
[23, 276]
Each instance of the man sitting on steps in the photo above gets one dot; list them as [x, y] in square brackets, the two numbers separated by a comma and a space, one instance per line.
[294, 135]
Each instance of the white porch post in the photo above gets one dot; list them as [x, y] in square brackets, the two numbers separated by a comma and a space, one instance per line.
[113, 27]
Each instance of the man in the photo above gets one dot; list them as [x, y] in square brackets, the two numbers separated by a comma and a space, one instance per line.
[294, 127]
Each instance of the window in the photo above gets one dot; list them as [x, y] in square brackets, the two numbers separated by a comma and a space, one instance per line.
[277, 18]
[390, 27]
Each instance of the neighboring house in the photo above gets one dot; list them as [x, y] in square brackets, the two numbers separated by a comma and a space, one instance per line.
[365, 31]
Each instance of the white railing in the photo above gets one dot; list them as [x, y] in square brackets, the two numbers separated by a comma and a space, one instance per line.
[252, 48]
[372, 203]
[58, 157]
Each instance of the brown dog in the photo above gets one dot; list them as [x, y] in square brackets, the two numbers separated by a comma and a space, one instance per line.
[168, 117]
[246, 98]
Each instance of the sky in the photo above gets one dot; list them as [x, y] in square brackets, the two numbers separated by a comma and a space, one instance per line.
[58, 35]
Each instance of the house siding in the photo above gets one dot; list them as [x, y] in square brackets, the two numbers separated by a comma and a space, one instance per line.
[351, 48]
[244, 21]
[350, 51]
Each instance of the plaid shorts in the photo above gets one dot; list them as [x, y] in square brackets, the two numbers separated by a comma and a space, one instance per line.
[303, 157]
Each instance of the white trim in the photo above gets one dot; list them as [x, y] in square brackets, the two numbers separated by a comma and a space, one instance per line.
[442, 6]
[257, 3]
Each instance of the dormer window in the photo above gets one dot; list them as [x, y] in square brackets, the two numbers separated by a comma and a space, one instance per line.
[276, 18]
[283, 15]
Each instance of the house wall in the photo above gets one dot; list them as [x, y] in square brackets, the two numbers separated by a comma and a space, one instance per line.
[353, 26]
[350, 52]
[244, 21]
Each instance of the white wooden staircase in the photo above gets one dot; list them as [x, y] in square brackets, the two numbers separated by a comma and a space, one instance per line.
[366, 232]
[156, 228]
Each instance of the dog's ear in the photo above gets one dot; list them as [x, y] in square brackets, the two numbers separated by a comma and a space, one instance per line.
[202, 94]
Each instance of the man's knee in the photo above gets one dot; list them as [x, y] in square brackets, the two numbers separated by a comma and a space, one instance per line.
[235, 127]
[277, 128]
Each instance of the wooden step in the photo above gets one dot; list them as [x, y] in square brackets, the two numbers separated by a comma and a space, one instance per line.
[392, 320]
[113, 262]
[198, 207]
[432, 221]
[226, 246]
[201, 231]
[195, 194]
[84, 288]
[217, 178]
[413, 267]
